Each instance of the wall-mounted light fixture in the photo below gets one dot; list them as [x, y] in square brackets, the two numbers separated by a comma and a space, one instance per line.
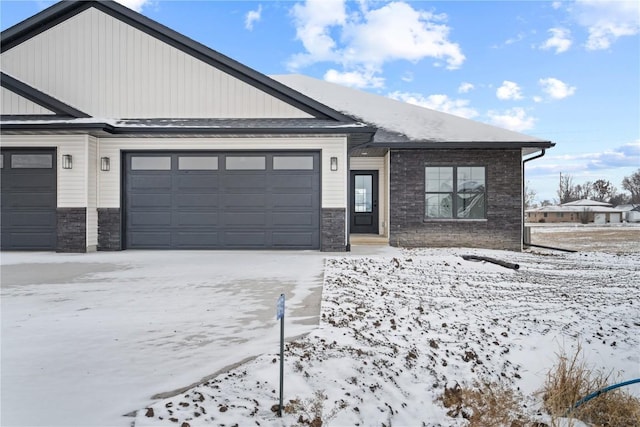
[334, 164]
[105, 164]
[67, 161]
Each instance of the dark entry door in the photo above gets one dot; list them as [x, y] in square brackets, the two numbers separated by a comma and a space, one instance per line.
[364, 202]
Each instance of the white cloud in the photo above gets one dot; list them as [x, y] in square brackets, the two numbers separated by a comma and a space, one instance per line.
[509, 90]
[368, 38]
[407, 77]
[134, 4]
[465, 87]
[356, 79]
[252, 17]
[515, 119]
[560, 40]
[556, 89]
[607, 20]
[556, 5]
[457, 107]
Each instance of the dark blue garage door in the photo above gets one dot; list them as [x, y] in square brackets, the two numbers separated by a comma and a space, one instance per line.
[212, 200]
[28, 193]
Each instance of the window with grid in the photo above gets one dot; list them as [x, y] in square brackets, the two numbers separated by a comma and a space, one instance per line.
[455, 192]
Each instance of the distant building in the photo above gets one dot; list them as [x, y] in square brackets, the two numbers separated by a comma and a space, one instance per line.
[581, 211]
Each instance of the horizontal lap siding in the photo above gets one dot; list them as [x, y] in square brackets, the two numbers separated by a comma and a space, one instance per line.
[93, 62]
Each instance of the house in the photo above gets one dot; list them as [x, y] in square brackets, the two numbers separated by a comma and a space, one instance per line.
[580, 211]
[120, 133]
[630, 212]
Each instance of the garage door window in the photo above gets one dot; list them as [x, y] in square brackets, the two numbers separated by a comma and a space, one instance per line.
[207, 163]
[142, 163]
[292, 163]
[31, 161]
[246, 163]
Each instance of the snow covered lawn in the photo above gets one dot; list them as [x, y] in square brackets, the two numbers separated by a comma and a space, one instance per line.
[395, 330]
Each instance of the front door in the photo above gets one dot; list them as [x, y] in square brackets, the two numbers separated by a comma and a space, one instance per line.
[364, 202]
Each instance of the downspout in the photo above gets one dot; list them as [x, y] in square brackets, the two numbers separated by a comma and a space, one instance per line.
[523, 208]
[524, 195]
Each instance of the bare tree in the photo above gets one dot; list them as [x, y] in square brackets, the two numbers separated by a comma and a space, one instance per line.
[529, 196]
[632, 185]
[566, 189]
[583, 191]
[603, 190]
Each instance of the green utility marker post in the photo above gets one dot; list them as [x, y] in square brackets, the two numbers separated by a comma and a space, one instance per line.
[280, 316]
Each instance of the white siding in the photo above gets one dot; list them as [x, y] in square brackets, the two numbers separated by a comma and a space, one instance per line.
[72, 183]
[12, 103]
[333, 183]
[92, 193]
[379, 164]
[110, 69]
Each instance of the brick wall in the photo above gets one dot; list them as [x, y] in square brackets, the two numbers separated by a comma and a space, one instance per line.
[333, 230]
[109, 229]
[71, 230]
[502, 228]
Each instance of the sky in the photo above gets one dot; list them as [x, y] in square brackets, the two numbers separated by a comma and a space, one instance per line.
[564, 71]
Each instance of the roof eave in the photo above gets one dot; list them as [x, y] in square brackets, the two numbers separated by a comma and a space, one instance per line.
[461, 145]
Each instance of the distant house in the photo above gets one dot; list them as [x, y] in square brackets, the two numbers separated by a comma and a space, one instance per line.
[120, 133]
[631, 213]
[580, 211]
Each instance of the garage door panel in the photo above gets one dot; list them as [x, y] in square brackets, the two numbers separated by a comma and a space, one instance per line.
[150, 218]
[36, 199]
[292, 200]
[292, 219]
[146, 200]
[23, 180]
[290, 182]
[196, 200]
[28, 218]
[245, 182]
[28, 240]
[150, 239]
[246, 207]
[299, 239]
[244, 219]
[232, 201]
[197, 181]
[151, 182]
[204, 218]
[245, 239]
[194, 240]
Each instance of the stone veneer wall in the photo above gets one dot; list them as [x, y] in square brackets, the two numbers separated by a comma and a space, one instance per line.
[333, 229]
[109, 229]
[502, 228]
[71, 230]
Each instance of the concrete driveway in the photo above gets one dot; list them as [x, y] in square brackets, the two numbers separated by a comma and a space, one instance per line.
[88, 338]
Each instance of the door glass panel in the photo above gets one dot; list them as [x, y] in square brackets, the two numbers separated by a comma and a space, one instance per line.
[363, 193]
[293, 163]
[1, 161]
[246, 163]
[150, 163]
[32, 161]
[198, 163]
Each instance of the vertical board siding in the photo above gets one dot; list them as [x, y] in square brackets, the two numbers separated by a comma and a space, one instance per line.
[333, 182]
[109, 69]
[12, 103]
[379, 164]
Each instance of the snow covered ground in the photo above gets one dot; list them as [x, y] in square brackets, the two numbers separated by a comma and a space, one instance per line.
[396, 329]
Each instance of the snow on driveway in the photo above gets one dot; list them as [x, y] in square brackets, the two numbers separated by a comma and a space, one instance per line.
[87, 338]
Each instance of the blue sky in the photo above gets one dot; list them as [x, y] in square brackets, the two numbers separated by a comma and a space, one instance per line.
[565, 71]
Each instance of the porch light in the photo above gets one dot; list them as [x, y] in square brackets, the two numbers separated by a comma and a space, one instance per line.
[105, 164]
[67, 161]
[334, 164]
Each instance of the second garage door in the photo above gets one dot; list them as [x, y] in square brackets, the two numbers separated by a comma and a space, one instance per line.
[211, 200]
